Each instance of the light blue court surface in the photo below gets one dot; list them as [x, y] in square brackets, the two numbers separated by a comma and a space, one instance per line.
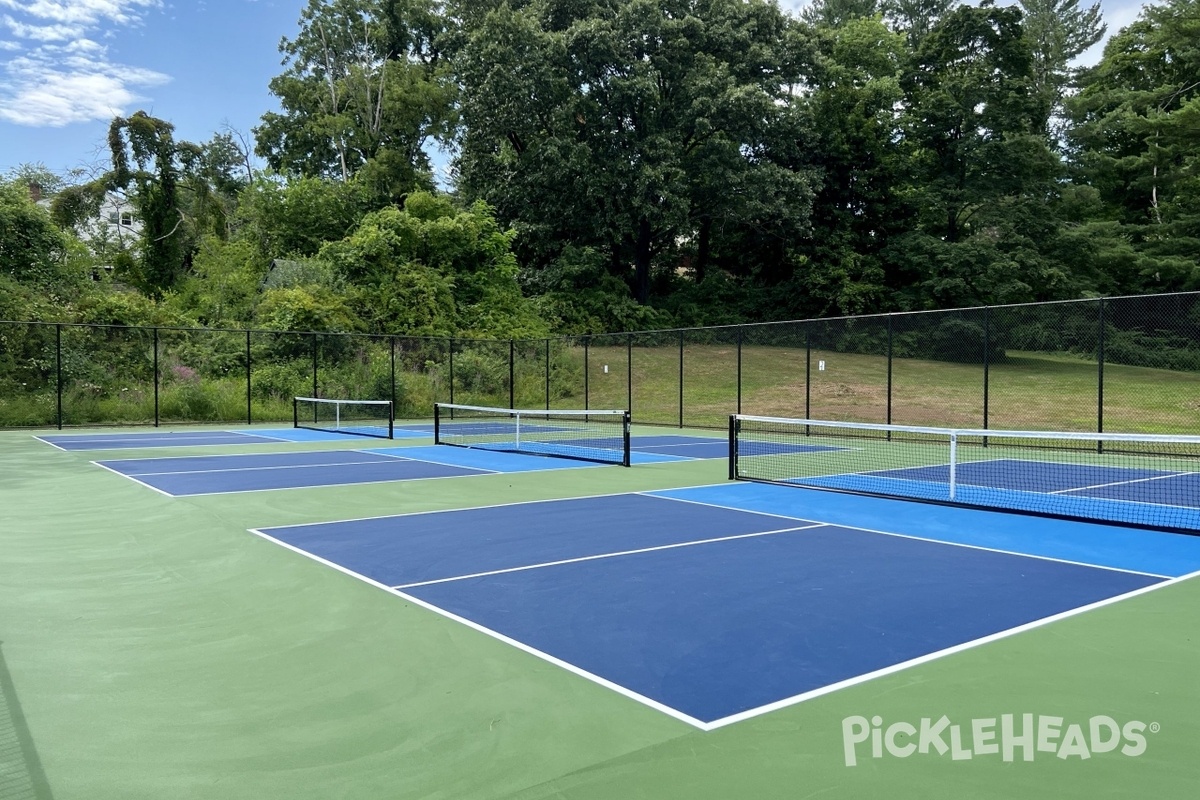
[1154, 552]
[717, 603]
[1120, 494]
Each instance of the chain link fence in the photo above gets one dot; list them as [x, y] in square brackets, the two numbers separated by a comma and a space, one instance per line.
[1111, 364]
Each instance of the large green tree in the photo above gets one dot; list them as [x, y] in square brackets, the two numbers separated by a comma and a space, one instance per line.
[364, 90]
[982, 172]
[640, 128]
[1136, 136]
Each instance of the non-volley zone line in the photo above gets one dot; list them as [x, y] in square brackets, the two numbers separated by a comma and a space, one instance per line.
[708, 612]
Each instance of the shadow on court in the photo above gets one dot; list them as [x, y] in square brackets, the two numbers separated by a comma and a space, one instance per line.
[21, 776]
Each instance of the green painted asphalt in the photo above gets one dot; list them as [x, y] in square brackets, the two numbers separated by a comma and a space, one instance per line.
[152, 648]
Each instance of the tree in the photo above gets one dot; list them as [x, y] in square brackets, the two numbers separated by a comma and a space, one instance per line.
[364, 89]
[431, 269]
[855, 80]
[639, 128]
[1058, 31]
[836, 13]
[32, 248]
[916, 18]
[1136, 139]
[982, 171]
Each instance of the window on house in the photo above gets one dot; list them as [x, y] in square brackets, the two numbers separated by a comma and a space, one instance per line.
[113, 218]
[126, 219]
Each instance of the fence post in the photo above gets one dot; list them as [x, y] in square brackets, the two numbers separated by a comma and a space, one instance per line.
[681, 379]
[512, 353]
[586, 397]
[155, 339]
[314, 355]
[739, 369]
[807, 373]
[889, 375]
[987, 362]
[58, 371]
[1100, 378]
[392, 354]
[629, 374]
[547, 373]
[452, 370]
[249, 411]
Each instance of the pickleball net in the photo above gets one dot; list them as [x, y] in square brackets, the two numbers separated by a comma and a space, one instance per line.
[1138, 480]
[588, 435]
[354, 417]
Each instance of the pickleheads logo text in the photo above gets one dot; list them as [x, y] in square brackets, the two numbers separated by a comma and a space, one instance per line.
[1009, 737]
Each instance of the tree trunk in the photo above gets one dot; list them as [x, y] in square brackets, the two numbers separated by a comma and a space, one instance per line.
[641, 269]
[702, 249]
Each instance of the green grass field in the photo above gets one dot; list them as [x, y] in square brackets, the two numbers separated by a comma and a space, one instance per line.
[150, 647]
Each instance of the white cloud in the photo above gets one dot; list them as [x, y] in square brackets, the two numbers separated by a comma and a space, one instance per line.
[42, 33]
[82, 12]
[63, 75]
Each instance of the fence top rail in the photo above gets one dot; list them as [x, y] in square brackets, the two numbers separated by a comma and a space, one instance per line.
[991, 433]
[590, 336]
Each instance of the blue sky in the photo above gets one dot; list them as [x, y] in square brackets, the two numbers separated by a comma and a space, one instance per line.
[67, 67]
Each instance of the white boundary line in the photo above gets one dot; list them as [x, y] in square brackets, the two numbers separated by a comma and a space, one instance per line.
[273, 467]
[123, 442]
[132, 478]
[514, 503]
[616, 554]
[668, 710]
[328, 485]
[1124, 483]
[749, 713]
[958, 648]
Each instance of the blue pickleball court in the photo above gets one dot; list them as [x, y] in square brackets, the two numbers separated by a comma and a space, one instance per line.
[709, 608]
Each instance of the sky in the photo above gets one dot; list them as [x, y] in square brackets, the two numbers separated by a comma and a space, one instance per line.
[67, 67]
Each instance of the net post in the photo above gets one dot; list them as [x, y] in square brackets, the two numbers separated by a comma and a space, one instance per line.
[391, 419]
[625, 458]
[733, 447]
[517, 430]
[437, 423]
[295, 412]
[953, 462]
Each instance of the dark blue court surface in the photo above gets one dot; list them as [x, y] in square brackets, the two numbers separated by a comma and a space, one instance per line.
[244, 473]
[709, 613]
[122, 441]
[129, 441]
[194, 475]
